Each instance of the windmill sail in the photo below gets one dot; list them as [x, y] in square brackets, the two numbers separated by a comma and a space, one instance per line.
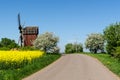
[21, 30]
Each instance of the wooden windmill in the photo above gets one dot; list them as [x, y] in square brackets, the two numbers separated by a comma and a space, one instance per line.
[27, 34]
[20, 30]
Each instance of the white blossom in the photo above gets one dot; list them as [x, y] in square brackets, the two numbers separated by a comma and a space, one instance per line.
[95, 42]
[47, 42]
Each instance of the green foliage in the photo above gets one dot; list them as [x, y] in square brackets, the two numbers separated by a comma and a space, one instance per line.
[112, 36]
[18, 74]
[95, 42]
[7, 44]
[112, 63]
[47, 42]
[116, 53]
[68, 48]
[73, 48]
[27, 48]
[4, 48]
[118, 43]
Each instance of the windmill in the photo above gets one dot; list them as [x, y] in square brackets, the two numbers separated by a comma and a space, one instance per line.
[27, 34]
[21, 30]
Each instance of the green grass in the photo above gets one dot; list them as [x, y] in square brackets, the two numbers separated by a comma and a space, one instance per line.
[18, 74]
[113, 64]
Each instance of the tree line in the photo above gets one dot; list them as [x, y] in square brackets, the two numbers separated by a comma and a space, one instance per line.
[108, 41]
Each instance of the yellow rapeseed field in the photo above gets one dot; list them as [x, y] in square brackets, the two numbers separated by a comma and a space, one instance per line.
[16, 59]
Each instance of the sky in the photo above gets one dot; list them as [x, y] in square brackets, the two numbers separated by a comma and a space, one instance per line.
[70, 20]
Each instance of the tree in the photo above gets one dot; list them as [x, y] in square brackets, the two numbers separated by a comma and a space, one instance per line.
[112, 37]
[95, 42]
[47, 42]
[69, 48]
[7, 43]
[73, 48]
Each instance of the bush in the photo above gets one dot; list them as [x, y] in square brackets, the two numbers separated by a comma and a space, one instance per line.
[117, 52]
[4, 48]
[73, 48]
[68, 48]
[27, 48]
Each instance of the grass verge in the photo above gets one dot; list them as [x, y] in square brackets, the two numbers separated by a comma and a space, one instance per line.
[111, 63]
[18, 74]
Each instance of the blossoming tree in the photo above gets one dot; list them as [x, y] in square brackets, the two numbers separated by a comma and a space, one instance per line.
[47, 42]
[95, 42]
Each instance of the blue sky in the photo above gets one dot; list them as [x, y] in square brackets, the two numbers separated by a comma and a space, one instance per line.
[70, 20]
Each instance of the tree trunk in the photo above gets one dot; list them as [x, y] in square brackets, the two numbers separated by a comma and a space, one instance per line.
[95, 50]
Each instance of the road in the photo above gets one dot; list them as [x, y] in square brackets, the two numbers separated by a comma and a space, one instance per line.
[74, 67]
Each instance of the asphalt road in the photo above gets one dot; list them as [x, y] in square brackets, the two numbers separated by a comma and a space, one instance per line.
[74, 67]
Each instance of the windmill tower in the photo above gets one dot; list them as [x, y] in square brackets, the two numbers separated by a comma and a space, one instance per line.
[20, 30]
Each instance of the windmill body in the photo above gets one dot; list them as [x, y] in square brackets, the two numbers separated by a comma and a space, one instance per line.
[30, 33]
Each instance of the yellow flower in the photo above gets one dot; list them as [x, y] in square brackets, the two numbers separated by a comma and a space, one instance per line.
[13, 58]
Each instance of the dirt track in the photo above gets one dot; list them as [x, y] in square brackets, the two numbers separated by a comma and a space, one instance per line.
[74, 67]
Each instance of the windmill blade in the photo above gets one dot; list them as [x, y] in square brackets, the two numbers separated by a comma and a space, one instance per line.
[21, 30]
[19, 23]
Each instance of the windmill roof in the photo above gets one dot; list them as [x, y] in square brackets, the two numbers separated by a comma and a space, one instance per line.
[30, 30]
